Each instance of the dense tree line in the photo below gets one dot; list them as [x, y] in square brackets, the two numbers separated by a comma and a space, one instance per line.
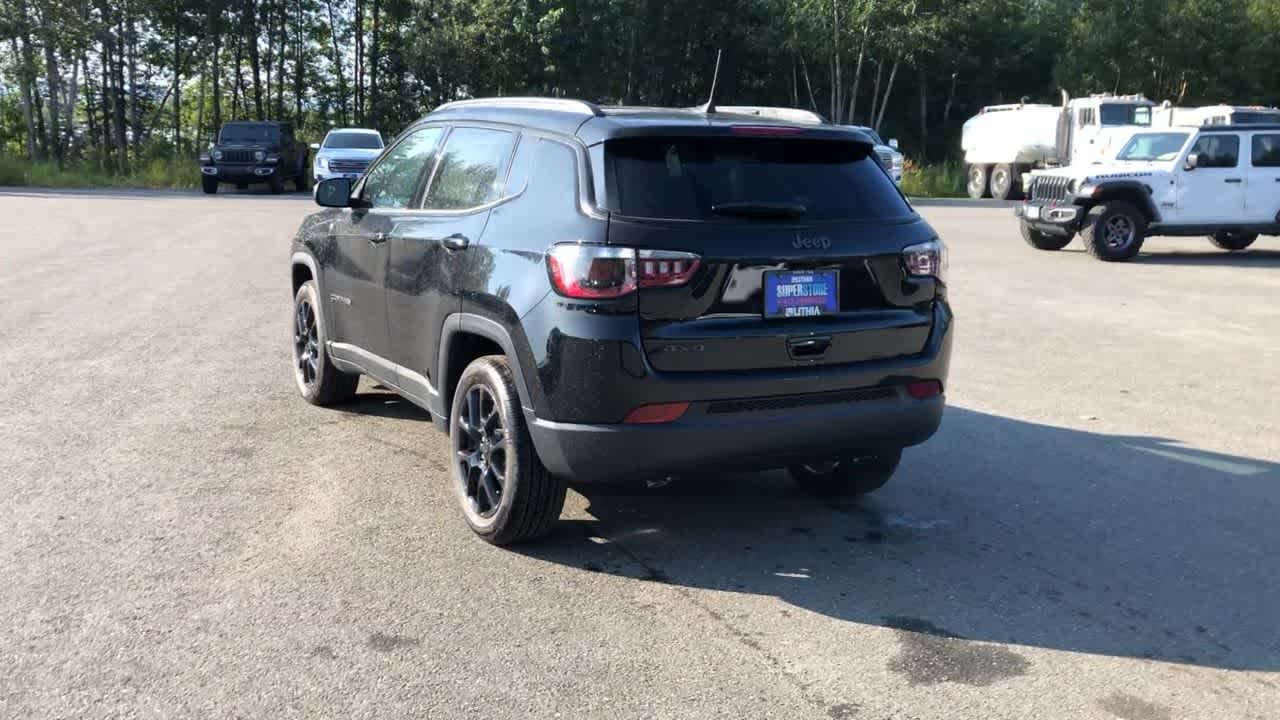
[112, 81]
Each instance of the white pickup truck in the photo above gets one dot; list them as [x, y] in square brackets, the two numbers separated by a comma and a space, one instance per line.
[1002, 143]
[1222, 181]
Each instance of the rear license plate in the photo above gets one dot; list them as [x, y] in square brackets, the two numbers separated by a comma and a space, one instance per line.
[801, 294]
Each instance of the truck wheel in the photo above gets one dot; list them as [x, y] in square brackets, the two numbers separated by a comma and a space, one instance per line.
[209, 184]
[976, 181]
[318, 380]
[1044, 241]
[1232, 240]
[1003, 182]
[276, 183]
[507, 495]
[1114, 231]
[852, 476]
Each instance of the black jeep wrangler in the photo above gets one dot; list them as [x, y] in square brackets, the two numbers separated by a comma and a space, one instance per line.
[589, 294]
[255, 152]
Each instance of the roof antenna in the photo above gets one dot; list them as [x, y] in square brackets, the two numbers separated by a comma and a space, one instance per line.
[710, 106]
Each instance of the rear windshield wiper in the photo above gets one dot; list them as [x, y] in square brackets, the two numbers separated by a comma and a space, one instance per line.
[760, 209]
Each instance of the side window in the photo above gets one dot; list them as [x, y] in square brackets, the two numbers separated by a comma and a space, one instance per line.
[1266, 150]
[558, 169]
[472, 171]
[393, 182]
[1218, 151]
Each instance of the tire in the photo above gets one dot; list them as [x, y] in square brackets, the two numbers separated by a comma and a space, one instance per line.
[1003, 182]
[1232, 240]
[843, 478]
[276, 183]
[490, 450]
[318, 380]
[1103, 231]
[1044, 241]
[209, 184]
[976, 181]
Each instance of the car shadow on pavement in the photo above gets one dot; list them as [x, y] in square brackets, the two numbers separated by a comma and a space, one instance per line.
[996, 530]
[1252, 258]
[379, 401]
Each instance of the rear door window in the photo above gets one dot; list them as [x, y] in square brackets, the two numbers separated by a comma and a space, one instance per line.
[688, 178]
[472, 171]
[1266, 150]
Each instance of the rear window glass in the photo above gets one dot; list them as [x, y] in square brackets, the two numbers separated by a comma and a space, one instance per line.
[685, 178]
[249, 133]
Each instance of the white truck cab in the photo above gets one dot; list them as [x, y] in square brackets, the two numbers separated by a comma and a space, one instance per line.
[1218, 180]
[1002, 143]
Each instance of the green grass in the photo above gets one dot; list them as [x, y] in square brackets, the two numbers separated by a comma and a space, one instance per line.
[160, 174]
[933, 181]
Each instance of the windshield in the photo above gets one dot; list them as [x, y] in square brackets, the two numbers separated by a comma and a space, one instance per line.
[1112, 114]
[353, 141]
[249, 133]
[710, 178]
[1153, 147]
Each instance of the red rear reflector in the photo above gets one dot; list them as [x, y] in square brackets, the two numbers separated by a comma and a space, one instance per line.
[924, 389]
[659, 413]
[765, 130]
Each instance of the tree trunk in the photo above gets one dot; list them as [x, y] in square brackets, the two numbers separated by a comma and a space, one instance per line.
[135, 112]
[53, 80]
[238, 104]
[951, 98]
[297, 68]
[215, 34]
[200, 111]
[337, 62]
[924, 114]
[69, 109]
[177, 88]
[804, 70]
[888, 90]
[836, 105]
[875, 93]
[255, 60]
[358, 31]
[28, 119]
[267, 23]
[857, 71]
[282, 25]
[89, 114]
[374, 57]
[108, 100]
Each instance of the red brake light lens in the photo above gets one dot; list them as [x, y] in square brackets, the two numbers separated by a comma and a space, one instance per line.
[658, 413]
[661, 268]
[924, 389]
[592, 272]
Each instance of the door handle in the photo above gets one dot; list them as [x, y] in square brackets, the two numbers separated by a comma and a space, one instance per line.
[1233, 180]
[456, 241]
[377, 238]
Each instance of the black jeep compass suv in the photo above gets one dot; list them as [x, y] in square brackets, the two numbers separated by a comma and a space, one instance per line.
[589, 294]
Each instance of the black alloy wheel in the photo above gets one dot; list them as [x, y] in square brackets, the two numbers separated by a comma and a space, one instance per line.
[480, 447]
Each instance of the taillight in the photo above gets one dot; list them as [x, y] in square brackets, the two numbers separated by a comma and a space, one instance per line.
[592, 272]
[923, 389]
[603, 272]
[662, 268]
[926, 259]
[658, 413]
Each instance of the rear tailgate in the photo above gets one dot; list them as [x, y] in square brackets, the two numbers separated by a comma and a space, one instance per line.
[838, 262]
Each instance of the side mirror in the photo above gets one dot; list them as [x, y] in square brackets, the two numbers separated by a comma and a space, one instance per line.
[1193, 161]
[334, 192]
[893, 143]
[315, 146]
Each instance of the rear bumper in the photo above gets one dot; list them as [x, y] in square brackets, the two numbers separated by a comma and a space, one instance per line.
[755, 420]
[755, 437]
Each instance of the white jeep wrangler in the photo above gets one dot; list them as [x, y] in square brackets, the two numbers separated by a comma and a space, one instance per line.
[1221, 181]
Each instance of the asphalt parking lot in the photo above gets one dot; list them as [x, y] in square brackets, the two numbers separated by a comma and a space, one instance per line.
[1093, 534]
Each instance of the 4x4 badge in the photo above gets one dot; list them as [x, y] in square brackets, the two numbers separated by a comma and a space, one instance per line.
[811, 243]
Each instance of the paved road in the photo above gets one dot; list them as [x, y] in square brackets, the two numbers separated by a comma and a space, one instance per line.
[1093, 534]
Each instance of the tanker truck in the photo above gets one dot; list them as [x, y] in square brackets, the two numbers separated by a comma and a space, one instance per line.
[1002, 144]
